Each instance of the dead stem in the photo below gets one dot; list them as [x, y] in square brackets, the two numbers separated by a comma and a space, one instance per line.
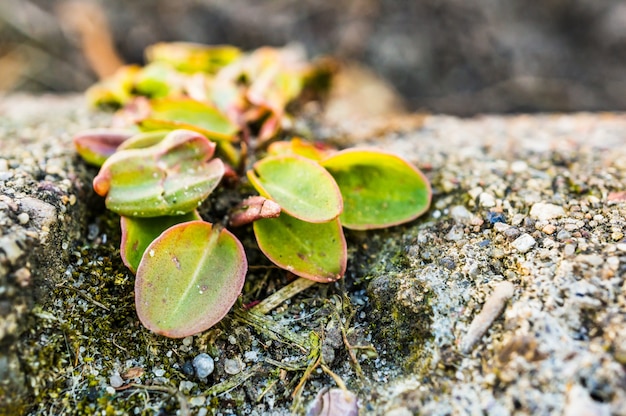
[278, 297]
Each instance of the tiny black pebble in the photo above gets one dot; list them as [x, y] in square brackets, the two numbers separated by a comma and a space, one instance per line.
[93, 394]
[188, 368]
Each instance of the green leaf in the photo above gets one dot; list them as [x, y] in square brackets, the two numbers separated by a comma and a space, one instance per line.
[315, 151]
[138, 233]
[170, 178]
[115, 90]
[158, 80]
[193, 57]
[379, 189]
[189, 278]
[300, 186]
[314, 251]
[95, 146]
[185, 113]
[144, 139]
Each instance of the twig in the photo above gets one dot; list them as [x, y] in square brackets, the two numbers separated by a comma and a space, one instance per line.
[232, 382]
[282, 295]
[86, 297]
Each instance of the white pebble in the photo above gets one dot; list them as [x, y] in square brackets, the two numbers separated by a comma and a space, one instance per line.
[519, 166]
[251, 356]
[116, 381]
[486, 200]
[204, 365]
[233, 366]
[542, 211]
[197, 401]
[23, 218]
[461, 214]
[523, 243]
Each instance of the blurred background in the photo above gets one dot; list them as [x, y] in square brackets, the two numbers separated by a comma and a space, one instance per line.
[443, 56]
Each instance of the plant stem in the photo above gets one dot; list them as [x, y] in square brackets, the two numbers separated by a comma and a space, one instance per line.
[282, 295]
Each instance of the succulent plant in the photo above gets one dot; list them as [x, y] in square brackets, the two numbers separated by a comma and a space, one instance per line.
[189, 115]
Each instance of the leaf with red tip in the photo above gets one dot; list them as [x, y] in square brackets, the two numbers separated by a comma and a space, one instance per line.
[189, 278]
[170, 178]
[95, 146]
[314, 251]
[184, 113]
[300, 186]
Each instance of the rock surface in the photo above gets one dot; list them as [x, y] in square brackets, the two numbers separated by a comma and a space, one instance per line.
[71, 343]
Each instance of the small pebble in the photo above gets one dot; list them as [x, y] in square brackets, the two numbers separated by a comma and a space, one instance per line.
[519, 166]
[495, 217]
[549, 229]
[486, 200]
[524, 243]
[188, 368]
[233, 366]
[563, 235]
[23, 218]
[251, 356]
[116, 380]
[204, 365]
[512, 233]
[455, 234]
[569, 249]
[542, 211]
[461, 214]
[197, 401]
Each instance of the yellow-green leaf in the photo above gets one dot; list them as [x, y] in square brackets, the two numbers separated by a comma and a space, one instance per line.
[379, 189]
[188, 279]
[314, 251]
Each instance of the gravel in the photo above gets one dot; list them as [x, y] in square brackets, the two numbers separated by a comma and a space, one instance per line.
[526, 202]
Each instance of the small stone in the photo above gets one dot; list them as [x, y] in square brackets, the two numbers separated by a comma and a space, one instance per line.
[461, 214]
[233, 366]
[512, 233]
[188, 369]
[524, 243]
[204, 365]
[23, 218]
[159, 372]
[22, 276]
[542, 211]
[197, 401]
[563, 235]
[495, 217]
[501, 227]
[519, 166]
[569, 249]
[116, 381]
[549, 229]
[486, 200]
[455, 234]
[251, 356]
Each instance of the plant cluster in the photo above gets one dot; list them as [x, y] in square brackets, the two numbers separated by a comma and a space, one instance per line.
[195, 115]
